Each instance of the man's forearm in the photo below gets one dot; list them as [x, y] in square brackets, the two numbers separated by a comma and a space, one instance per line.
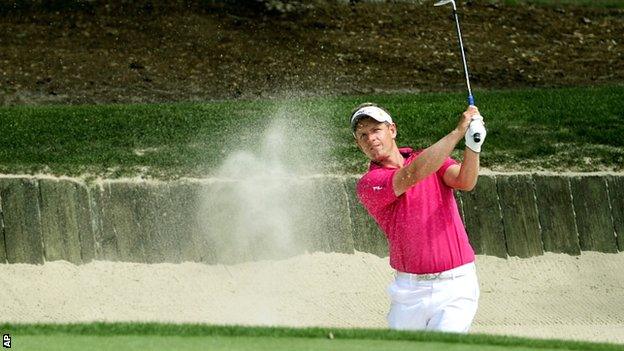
[469, 171]
[432, 158]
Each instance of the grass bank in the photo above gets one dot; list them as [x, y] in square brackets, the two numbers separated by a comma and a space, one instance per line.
[137, 336]
[576, 129]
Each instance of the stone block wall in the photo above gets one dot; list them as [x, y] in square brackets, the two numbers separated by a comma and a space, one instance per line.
[215, 221]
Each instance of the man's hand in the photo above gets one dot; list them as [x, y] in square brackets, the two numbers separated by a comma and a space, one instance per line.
[465, 118]
[472, 121]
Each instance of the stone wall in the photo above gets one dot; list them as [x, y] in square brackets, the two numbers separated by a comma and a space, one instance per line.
[523, 215]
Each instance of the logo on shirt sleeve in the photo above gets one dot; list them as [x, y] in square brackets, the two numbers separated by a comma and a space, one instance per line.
[377, 188]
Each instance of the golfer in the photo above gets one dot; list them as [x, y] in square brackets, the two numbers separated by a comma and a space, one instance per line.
[409, 193]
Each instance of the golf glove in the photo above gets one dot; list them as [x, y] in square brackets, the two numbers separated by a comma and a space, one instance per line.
[476, 127]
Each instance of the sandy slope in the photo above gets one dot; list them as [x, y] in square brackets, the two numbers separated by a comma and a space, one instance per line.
[554, 296]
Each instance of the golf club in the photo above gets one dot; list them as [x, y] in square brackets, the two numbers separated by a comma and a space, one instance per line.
[476, 136]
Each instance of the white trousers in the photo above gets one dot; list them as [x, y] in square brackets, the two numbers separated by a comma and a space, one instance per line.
[446, 302]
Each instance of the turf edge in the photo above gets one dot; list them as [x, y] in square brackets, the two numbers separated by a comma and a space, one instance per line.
[163, 329]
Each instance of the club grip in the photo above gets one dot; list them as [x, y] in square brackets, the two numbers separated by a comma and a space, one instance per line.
[476, 136]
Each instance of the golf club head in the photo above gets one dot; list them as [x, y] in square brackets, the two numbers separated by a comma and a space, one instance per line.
[444, 2]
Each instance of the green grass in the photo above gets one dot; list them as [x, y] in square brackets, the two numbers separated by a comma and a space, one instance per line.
[78, 343]
[556, 129]
[144, 336]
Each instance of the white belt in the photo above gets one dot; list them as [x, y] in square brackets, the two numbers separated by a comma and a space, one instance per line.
[450, 274]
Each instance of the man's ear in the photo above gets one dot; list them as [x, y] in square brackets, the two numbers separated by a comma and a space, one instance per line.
[393, 129]
[358, 144]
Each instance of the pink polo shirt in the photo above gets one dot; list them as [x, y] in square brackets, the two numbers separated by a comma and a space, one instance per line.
[424, 230]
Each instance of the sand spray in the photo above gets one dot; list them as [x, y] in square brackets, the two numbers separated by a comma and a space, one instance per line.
[258, 206]
[254, 208]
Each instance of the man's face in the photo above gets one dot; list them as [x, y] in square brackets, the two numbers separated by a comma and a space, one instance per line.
[375, 139]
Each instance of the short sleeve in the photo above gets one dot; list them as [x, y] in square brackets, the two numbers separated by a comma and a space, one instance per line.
[447, 163]
[375, 189]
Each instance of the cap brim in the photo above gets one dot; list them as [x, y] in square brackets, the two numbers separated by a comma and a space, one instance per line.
[373, 112]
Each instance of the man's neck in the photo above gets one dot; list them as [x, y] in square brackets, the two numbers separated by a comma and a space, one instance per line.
[395, 160]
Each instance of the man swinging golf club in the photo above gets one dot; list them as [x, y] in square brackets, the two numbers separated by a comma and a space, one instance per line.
[410, 195]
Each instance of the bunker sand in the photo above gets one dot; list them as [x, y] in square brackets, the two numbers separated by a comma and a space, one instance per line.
[550, 296]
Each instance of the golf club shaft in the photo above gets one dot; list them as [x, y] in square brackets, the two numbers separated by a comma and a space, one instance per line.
[476, 136]
[463, 55]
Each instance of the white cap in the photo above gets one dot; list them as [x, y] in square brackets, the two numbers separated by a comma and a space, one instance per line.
[373, 112]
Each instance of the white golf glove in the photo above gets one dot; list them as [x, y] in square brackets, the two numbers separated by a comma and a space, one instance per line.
[476, 127]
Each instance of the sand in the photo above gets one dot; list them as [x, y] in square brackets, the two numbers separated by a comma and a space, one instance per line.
[551, 296]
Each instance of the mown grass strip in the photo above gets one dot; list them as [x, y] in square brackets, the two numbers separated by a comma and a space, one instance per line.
[196, 330]
[67, 342]
[554, 129]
